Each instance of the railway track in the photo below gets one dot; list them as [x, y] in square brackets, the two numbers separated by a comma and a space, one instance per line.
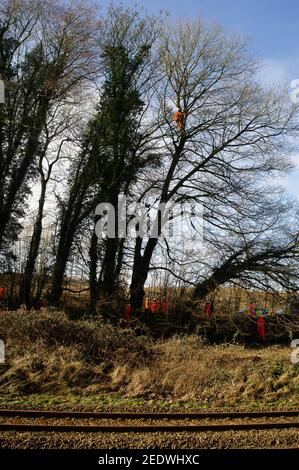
[130, 415]
[39, 416]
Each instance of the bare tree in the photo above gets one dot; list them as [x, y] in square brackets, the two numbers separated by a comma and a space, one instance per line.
[56, 136]
[116, 145]
[235, 130]
[46, 51]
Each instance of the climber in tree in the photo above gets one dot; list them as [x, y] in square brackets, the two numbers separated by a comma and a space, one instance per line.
[179, 118]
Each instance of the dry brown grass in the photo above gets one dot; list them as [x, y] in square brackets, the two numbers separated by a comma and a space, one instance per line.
[187, 369]
[47, 352]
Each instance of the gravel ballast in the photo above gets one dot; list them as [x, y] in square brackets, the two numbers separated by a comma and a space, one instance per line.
[221, 440]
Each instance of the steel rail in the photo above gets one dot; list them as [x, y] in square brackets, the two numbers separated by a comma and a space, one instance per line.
[16, 427]
[146, 416]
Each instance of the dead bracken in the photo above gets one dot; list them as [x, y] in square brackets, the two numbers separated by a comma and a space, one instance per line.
[49, 353]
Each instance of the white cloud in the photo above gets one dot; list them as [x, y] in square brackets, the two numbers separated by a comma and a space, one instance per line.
[275, 71]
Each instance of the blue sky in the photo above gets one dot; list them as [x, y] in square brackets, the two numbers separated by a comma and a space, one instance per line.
[272, 25]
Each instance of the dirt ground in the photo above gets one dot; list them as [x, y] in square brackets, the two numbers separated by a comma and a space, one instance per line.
[208, 440]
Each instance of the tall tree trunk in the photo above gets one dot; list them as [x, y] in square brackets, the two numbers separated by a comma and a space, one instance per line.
[109, 280]
[119, 259]
[112, 261]
[19, 175]
[70, 221]
[8, 206]
[93, 285]
[25, 294]
[62, 257]
[140, 272]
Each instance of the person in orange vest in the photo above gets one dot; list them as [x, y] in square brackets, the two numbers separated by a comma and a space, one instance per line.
[208, 308]
[164, 305]
[251, 309]
[3, 292]
[154, 307]
[128, 312]
[261, 330]
[179, 118]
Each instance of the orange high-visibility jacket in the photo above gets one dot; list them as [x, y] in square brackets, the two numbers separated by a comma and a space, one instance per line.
[154, 306]
[251, 309]
[164, 305]
[179, 117]
[208, 308]
[128, 312]
[261, 328]
[3, 291]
